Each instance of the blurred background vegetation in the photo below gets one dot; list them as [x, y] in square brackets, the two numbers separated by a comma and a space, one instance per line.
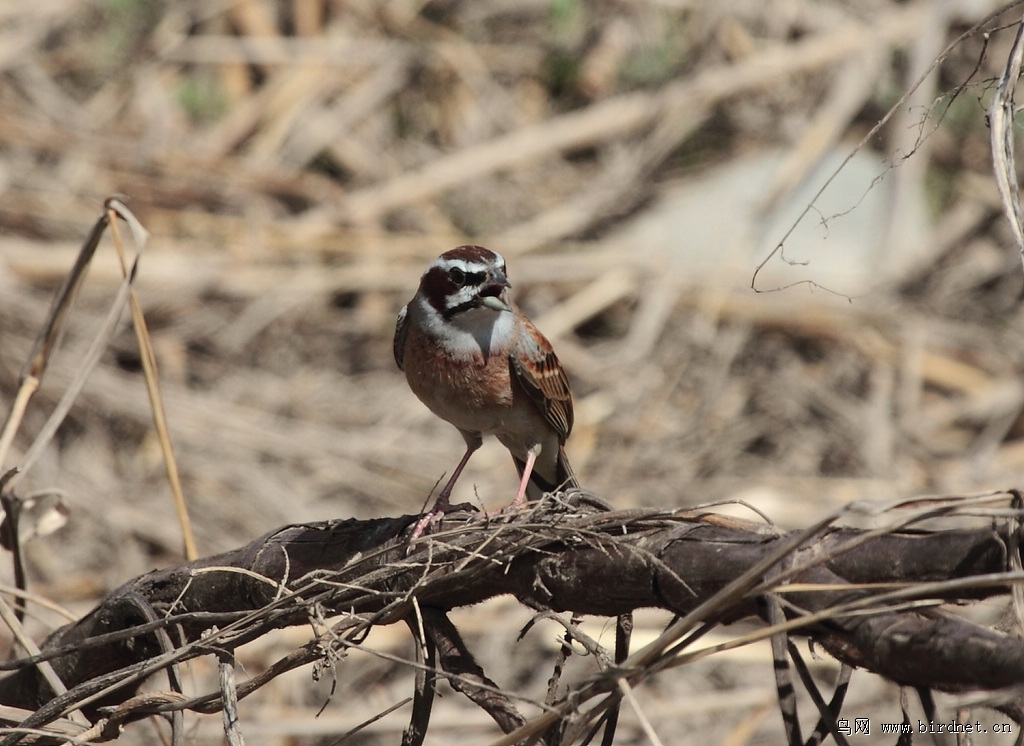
[299, 162]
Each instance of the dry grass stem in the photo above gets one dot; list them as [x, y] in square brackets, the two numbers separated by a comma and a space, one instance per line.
[152, 375]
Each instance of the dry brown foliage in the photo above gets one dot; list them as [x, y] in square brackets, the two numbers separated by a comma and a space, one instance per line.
[297, 164]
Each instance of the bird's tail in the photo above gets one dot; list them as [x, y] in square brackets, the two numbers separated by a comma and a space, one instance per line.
[564, 477]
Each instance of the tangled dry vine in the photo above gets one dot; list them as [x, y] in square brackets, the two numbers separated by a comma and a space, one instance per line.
[867, 597]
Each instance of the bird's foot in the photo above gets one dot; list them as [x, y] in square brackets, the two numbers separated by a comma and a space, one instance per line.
[513, 507]
[427, 521]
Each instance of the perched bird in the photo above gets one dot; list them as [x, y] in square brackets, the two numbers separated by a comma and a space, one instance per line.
[477, 362]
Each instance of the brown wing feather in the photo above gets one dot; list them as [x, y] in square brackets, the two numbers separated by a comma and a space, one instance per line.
[542, 377]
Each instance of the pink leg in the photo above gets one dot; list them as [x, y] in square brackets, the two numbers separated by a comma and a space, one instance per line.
[442, 503]
[531, 459]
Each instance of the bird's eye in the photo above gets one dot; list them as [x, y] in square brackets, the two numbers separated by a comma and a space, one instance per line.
[457, 276]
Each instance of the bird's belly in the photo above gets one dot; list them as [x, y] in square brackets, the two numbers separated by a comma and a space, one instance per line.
[471, 392]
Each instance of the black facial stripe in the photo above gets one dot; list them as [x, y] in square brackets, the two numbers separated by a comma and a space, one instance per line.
[469, 305]
[435, 286]
[474, 278]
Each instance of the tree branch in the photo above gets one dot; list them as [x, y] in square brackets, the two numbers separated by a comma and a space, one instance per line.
[555, 557]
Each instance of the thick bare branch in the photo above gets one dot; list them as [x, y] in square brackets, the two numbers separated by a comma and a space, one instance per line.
[561, 558]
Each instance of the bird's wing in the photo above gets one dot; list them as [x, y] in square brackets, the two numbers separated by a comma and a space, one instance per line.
[542, 377]
[401, 331]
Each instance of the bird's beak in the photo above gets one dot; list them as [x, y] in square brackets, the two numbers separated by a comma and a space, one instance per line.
[494, 295]
[494, 302]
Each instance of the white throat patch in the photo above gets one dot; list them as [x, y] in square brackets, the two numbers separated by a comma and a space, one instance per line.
[476, 330]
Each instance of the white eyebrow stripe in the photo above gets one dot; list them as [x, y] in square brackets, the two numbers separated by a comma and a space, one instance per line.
[467, 267]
